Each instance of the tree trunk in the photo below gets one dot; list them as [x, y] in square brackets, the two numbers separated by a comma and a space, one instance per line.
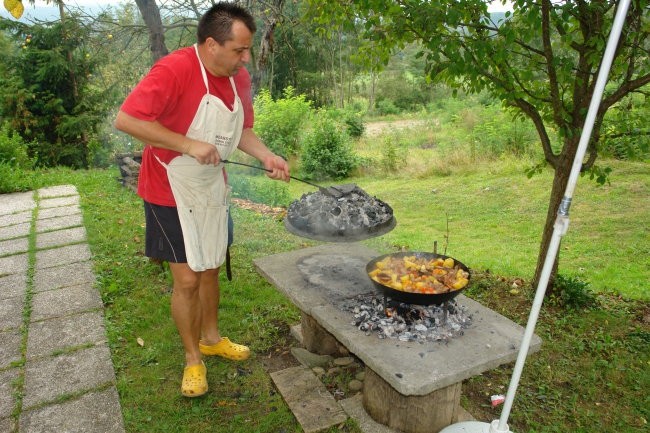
[560, 181]
[151, 16]
[264, 57]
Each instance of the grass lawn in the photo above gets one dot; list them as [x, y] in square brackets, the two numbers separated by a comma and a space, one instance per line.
[594, 366]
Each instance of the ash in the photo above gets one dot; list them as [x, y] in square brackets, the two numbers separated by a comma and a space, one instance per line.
[408, 322]
[353, 213]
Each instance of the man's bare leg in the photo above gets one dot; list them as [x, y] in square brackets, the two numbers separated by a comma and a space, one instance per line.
[209, 295]
[186, 309]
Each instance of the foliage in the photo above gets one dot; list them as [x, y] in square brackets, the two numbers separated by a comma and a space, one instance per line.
[13, 149]
[354, 123]
[47, 94]
[573, 293]
[390, 155]
[279, 123]
[327, 152]
[541, 60]
[627, 133]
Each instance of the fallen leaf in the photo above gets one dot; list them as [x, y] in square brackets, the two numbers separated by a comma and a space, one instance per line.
[140, 342]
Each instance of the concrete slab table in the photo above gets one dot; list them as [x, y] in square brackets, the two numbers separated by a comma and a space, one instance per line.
[411, 386]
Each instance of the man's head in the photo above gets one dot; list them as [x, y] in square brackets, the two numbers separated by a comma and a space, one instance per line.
[225, 35]
[217, 22]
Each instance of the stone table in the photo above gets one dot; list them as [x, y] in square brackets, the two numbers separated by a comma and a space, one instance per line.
[414, 387]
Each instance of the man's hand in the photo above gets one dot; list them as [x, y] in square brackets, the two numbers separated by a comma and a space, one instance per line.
[204, 153]
[278, 166]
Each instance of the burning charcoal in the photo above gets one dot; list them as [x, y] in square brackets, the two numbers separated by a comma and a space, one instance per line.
[407, 322]
[351, 217]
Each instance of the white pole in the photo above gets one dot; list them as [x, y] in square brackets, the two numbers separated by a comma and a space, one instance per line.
[562, 220]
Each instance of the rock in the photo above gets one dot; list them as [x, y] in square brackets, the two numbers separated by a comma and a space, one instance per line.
[318, 371]
[309, 359]
[355, 385]
[343, 362]
[333, 371]
[360, 376]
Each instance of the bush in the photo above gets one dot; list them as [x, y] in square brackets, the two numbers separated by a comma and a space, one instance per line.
[386, 107]
[354, 122]
[14, 179]
[573, 293]
[280, 123]
[391, 157]
[327, 150]
[13, 149]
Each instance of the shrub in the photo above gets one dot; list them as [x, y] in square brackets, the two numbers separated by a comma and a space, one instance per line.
[327, 150]
[280, 123]
[354, 122]
[573, 293]
[391, 157]
[13, 149]
[386, 107]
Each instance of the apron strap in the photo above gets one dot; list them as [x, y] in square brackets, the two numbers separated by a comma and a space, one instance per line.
[228, 270]
[205, 77]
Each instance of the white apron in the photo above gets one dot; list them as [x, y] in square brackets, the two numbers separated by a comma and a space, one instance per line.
[200, 191]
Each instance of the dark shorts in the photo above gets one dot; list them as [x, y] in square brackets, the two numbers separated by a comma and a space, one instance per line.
[164, 236]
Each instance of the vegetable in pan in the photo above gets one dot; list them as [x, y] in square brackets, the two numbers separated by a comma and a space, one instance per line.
[420, 275]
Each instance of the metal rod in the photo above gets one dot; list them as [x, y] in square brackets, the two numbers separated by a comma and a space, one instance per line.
[266, 169]
[562, 219]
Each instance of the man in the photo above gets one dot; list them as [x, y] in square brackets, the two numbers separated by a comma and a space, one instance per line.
[192, 110]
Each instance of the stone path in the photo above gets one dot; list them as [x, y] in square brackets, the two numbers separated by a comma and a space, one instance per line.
[56, 372]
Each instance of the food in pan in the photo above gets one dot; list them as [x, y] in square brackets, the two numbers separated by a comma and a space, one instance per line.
[420, 275]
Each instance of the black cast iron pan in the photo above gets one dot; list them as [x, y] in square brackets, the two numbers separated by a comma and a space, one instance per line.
[410, 297]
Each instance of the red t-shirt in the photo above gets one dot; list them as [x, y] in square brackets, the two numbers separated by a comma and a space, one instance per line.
[170, 94]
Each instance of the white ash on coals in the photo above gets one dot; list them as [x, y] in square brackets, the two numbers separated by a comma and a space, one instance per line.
[348, 214]
[408, 322]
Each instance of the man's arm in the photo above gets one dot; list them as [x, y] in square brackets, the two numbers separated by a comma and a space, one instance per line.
[157, 135]
[252, 145]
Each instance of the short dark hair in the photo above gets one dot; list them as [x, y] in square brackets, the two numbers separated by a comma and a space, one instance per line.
[217, 22]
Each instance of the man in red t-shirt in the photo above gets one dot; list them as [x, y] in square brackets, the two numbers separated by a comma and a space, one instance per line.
[192, 110]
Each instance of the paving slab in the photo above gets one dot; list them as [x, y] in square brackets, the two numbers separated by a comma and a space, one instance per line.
[57, 223]
[312, 405]
[11, 312]
[65, 301]
[94, 412]
[47, 379]
[318, 279]
[12, 286]
[62, 256]
[16, 218]
[14, 246]
[353, 406]
[57, 191]
[16, 264]
[7, 425]
[17, 202]
[7, 401]
[52, 335]
[10, 342]
[59, 201]
[64, 276]
[58, 211]
[15, 231]
[56, 238]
